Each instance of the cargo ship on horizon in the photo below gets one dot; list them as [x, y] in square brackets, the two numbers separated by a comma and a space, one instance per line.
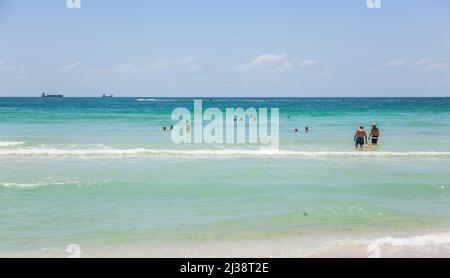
[45, 95]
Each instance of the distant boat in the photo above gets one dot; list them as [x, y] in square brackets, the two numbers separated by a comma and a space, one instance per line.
[104, 96]
[45, 95]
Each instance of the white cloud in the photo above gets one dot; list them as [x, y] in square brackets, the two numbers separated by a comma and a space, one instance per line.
[308, 63]
[436, 66]
[266, 62]
[423, 62]
[71, 67]
[396, 63]
[188, 63]
[115, 69]
[430, 64]
[426, 64]
[9, 69]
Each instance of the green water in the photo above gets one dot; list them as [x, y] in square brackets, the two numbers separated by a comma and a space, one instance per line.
[101, 172]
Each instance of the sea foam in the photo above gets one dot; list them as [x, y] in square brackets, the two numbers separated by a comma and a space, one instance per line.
[146, 99]
[214, 152]
[4, 144]
[414, 241]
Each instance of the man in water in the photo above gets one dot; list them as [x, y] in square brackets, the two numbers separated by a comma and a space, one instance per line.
[374, 134]
[188, 127]
[360, 137]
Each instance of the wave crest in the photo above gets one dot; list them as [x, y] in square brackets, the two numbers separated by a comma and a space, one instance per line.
[10, 144]
[225, 152]
[146, 99]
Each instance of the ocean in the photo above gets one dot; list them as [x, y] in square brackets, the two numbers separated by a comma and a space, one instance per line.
[102, 174]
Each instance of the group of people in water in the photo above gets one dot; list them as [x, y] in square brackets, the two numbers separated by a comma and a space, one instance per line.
[298, 130]
[361, 138]
[188, 127]
[166, 129]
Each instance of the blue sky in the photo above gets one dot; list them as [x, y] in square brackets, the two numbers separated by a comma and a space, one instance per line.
[225, 48]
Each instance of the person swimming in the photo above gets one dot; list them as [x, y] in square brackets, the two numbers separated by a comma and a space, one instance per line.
[374, 134]
[360, 137]
[188, 127]
[306, 129]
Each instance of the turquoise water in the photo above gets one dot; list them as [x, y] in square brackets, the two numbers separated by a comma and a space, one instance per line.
[101, 172]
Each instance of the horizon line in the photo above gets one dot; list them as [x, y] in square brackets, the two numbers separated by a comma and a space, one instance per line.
[212, 97]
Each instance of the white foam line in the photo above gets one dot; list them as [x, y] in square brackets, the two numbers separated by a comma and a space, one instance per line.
[146, 100]
[10, 144]
[438, 238]
[234, 152]
[38, 184]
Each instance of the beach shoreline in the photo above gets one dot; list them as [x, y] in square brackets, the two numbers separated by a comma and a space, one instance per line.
[397, 245]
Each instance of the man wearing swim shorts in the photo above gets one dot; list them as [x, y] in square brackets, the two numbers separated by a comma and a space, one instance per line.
[374, 134]
[360, 137]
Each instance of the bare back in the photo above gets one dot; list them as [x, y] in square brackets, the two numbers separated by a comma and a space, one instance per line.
[361, 133]
[375, 132]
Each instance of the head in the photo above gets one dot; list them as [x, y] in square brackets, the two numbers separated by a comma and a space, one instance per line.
[361, 127]
[374, 125]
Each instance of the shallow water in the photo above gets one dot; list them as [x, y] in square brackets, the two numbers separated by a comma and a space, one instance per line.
[101, 172]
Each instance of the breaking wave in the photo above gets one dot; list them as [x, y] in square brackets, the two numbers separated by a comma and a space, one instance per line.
[10, 144]
[211, 152]
[146, 99]
[414, 241]
[37, 184]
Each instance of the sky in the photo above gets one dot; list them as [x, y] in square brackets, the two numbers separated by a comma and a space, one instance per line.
[225, 48]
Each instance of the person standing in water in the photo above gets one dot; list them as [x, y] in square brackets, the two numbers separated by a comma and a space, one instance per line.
[360, 137]
[374, 134]
[188, 127]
